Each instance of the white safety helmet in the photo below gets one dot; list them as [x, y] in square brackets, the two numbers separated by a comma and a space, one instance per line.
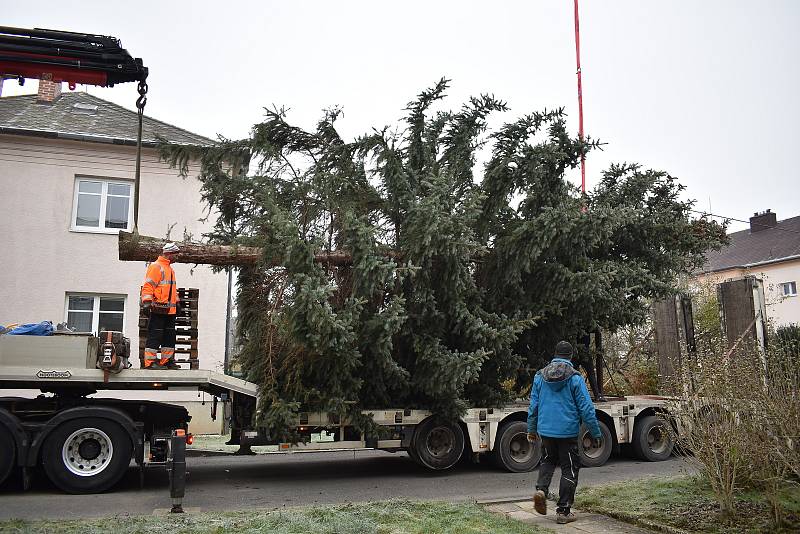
[171, 248]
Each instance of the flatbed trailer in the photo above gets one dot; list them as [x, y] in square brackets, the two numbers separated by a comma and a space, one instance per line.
[84, 444]
[496, 433]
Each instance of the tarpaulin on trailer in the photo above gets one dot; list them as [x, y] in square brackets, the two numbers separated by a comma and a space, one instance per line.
[45, 328]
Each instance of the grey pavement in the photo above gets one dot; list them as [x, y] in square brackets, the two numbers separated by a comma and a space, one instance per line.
[219, 483]
[586, 522]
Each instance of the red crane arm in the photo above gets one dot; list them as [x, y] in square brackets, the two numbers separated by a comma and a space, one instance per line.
[67, 57]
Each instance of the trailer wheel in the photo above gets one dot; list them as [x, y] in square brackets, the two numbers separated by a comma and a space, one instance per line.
[8, 453]
[86, 455]
[413, 455]
[512, 450]
[591, 456]
[438, 444]
[652, 439]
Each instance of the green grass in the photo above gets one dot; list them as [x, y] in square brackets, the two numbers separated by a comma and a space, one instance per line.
[389, 517]
[686, 503]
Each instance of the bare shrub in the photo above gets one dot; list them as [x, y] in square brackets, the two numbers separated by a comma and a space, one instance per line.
[632, 362]
[739, 420]
[642, 378]
[774, 430]
[711, 430]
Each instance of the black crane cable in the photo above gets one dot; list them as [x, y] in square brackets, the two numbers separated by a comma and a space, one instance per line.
[140, 103]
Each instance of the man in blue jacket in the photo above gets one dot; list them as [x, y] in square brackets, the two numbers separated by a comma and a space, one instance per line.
[560, 402]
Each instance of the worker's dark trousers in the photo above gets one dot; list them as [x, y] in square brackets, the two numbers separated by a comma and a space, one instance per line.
[561, 452]
[161, 334]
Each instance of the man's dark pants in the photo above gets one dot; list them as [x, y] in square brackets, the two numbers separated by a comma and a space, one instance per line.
[161, 333]
[561, 452]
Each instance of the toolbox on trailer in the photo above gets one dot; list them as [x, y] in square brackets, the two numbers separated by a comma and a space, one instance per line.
[49, 352]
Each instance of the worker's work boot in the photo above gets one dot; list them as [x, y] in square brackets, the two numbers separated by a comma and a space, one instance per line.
[564, 518]
[155, 366]
[172, 365]
[540, 502]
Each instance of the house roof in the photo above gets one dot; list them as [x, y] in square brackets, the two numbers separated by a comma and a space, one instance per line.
[747, 249]
[84, 117]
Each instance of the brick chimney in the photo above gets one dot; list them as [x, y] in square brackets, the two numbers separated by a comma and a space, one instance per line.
[49, 91]
[763, 221]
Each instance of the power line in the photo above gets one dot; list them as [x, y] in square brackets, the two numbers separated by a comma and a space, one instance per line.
[707, 214]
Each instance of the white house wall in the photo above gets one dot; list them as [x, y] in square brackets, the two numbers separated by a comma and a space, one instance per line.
[780, 310]
[42, 259]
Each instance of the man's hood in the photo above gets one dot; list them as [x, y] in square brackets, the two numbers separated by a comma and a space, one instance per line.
[557, 373]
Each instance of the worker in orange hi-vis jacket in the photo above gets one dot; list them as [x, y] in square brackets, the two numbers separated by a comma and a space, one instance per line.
[160, 301]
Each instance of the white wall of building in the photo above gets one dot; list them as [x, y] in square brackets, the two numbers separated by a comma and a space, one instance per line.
[780, 310]
[43, 259]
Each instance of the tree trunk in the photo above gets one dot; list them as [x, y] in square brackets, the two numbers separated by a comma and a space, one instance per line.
[144, 248]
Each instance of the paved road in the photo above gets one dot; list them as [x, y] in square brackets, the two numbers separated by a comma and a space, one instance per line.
[272, 481]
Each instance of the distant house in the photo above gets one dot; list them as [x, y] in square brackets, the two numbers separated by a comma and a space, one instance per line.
[769, 249]
[66, 190]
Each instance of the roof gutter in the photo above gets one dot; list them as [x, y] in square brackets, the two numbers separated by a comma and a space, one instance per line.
[49, 134]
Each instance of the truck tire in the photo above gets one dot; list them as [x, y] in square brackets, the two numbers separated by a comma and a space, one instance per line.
[8, 453]
[438, 444]
[413, 455]
[512, 451]
[652, 439]
[591, 457]
[87, 455]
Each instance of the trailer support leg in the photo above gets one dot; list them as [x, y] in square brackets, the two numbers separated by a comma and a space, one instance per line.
[27, 478]
[244, 443]
[244, 450]
[176, 468]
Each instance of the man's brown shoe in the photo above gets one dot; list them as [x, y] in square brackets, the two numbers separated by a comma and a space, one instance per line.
[563, 519]
[540, 502]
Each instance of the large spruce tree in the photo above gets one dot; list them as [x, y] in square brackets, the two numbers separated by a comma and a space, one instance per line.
[461, 276]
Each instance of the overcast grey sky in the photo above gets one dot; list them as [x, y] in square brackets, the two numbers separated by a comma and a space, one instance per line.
[704, 90]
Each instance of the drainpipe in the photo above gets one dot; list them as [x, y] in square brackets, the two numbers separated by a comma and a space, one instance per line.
[228, 322]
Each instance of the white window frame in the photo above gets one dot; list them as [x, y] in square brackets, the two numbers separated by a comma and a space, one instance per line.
[74, 227]
[784, 286]
[96, 307]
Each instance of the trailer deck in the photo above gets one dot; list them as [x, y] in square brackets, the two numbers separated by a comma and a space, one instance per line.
[69, 361]
[129, 379]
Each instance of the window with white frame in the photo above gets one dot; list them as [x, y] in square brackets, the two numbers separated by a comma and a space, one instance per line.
[102, 205]
[788, 289]
[93, 313]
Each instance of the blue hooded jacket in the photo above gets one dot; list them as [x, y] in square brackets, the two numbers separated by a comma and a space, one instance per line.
[560, 402]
